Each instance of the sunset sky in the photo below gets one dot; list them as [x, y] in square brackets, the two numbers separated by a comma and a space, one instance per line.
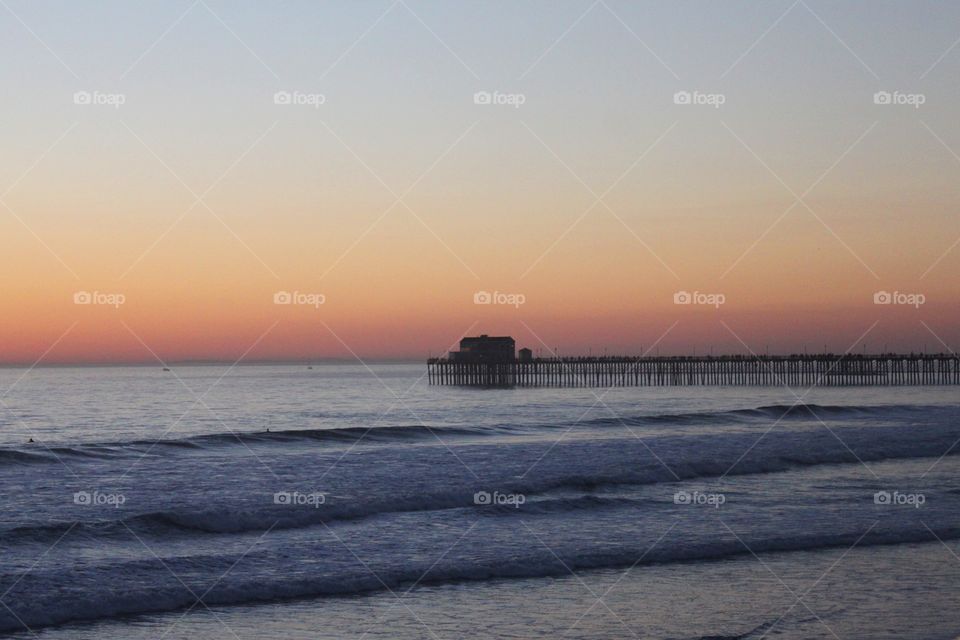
[390, 192]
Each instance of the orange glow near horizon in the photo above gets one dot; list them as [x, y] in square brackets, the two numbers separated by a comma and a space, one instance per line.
[399, 198]
[200, 294]
[400, 293]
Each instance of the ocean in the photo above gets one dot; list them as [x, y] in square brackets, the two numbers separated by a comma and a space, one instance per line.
[347, 501]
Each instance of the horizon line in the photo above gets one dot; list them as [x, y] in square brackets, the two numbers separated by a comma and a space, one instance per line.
[411, 360]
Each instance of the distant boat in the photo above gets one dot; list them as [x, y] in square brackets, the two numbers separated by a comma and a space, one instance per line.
[309, 367]
[166, 369]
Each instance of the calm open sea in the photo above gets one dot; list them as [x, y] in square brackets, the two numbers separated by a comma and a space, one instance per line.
[346, 502]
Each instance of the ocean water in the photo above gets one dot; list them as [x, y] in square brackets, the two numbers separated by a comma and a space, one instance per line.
[347, 501]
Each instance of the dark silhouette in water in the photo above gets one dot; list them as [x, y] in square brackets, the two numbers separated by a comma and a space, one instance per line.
[486, 361]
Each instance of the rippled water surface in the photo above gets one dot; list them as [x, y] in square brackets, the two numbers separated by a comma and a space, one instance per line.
[345, 502]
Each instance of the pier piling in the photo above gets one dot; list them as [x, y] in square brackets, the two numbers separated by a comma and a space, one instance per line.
[794, 370]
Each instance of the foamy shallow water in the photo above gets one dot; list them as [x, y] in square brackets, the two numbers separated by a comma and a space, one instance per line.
[904, 591]
[489, 513]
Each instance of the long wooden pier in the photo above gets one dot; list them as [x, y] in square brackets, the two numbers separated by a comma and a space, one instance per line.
[825, 370]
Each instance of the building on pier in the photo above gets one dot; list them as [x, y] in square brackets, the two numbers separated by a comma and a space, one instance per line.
[485, 349]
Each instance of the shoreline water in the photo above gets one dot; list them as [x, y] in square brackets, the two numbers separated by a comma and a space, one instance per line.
[125, 514]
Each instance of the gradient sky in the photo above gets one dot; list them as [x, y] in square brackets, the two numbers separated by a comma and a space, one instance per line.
[798, 199]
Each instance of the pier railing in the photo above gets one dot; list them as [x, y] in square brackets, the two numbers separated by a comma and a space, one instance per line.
[793, 370]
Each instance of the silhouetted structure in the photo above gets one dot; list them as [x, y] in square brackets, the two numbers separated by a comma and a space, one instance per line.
[489, 362]
[485, 349]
